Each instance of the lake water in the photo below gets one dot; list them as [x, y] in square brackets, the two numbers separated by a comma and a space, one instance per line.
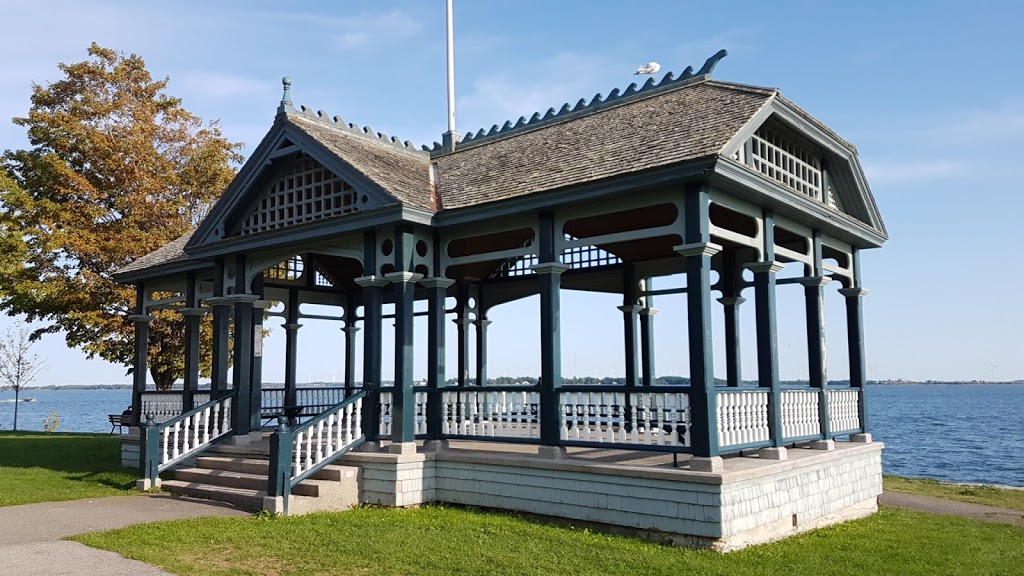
[961, 433]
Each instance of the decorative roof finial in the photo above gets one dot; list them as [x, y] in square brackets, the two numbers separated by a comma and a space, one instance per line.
[286, 98]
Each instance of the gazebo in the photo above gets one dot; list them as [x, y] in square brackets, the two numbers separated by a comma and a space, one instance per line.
[720, 182]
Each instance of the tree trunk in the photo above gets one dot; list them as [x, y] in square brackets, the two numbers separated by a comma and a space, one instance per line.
[164, 380]
[17, 394]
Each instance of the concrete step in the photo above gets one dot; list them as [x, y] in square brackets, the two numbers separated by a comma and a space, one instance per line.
[262, 467]
[229, 479]
[243, 498]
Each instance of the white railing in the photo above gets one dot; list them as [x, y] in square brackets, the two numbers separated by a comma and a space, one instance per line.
[843, 410]
[386, 412]
[331, 433]
[490, 413]
[190, 433]
[650, 418]
[313, 400]
[162, 405]
[742, 417]
[785, 162]
[800, 413]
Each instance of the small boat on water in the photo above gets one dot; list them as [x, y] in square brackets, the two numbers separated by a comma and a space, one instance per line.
[28, 399]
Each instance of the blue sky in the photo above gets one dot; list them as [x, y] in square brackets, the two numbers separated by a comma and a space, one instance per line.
[930, 92]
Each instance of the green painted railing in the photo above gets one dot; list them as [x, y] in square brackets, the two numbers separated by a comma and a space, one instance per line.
[298, 453]
[164, 444]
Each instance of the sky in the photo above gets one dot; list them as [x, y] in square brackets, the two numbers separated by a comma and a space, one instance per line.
[930, 92]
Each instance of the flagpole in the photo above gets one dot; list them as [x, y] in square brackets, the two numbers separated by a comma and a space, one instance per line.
[451, 136]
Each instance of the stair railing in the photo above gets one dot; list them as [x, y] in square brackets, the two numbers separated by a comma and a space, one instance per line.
[165, 444]
[298, 453]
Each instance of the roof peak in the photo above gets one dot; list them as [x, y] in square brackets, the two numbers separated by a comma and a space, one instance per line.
[598, 102]
[288, 110]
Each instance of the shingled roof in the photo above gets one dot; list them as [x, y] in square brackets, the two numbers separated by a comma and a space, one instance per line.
[170, 253]
[402, 173]
[689, 122]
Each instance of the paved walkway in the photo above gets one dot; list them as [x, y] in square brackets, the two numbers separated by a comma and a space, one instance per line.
[953, 508]
[30, 535]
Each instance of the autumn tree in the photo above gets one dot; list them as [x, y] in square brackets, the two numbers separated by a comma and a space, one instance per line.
[116, 169]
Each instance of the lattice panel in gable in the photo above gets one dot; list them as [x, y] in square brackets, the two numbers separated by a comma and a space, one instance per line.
[303, 192]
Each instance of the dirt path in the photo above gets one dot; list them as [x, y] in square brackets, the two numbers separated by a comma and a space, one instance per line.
[953, 508]
[30, 535]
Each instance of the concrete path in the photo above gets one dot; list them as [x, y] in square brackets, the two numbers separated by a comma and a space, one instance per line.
[953, 508]
[30, 535]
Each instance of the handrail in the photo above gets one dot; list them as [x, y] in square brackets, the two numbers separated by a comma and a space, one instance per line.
[325, 438]
[167, 443]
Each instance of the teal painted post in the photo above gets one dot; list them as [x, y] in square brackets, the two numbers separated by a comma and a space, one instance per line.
[731, 301]
[193, 326]
[549, 272]
[855, 338]
[279, 479]
[403, 412]
[647, 313]
[767, 336]
[350, 330]
[462, 322]
[630, 318]
[291, 355]
[437, 291]
[697, 252]
[373, 303]
[221, 333]
[242, 367]
[481, 344]
[193, 317]
[149, 451]
[140, 365]
[256, 374]
[816, 360]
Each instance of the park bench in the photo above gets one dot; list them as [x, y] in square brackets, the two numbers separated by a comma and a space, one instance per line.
[118, 421]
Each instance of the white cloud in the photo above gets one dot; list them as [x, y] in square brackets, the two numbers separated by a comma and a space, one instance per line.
[914, 170]
[501, 96]
[1001, 123]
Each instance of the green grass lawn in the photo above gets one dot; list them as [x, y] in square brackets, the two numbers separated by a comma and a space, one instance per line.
[445, 541]
[46, 467]
[964, 493]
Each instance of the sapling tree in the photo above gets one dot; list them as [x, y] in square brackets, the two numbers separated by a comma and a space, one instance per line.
[19, 366]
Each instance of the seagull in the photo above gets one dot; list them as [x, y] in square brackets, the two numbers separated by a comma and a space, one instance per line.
[649, 68]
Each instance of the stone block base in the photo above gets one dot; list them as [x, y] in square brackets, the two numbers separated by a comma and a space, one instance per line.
[723, 504]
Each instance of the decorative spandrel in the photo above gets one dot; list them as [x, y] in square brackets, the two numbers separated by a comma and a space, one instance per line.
[303, 191]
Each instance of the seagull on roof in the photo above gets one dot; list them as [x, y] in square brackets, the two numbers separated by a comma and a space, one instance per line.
[649, 68]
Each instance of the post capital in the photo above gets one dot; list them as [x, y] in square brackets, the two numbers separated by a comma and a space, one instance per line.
[483, 322]
[141, 318]
[550, 268]
[856, 292]
[436, 282]
[761, 267]
[698, 249]
[463, 321]
[263, 304]
[648, 311]
[371, 280]
[731, 300]
[350, 329]
[815, 281]
[291, 326]
[631, 309]
[403, 277]
[191, 311]
[232, 299]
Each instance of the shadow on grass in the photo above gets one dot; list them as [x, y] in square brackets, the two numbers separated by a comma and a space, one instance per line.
[92, 458]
